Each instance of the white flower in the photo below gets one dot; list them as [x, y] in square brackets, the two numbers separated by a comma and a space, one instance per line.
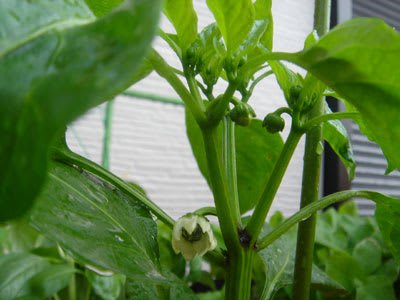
[192, 235]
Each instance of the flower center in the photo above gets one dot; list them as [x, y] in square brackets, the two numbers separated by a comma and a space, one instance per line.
[194, 236]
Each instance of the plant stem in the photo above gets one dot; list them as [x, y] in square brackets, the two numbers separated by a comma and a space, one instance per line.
[72, 282]
[311, 178]
[327, 117]
[229, 161]
[105, 162]
[264, 203]
[71, 158]
[238, 275]
[165, 71]
[310, 209]
[228, 220]
[194, 89]
[153, 97]
[206, 211]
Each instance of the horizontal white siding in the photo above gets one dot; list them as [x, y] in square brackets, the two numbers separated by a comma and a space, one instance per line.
[149, 144]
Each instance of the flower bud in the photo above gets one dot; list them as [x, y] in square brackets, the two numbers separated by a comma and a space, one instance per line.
[274, 123]
[192, 235]
[242, 114]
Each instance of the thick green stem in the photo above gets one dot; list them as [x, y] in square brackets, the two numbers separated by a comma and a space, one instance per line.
[229, 161]
[238, 275]
[71, 158]
[311, 178]
[228, 220]
[105, 162]
[261, 211]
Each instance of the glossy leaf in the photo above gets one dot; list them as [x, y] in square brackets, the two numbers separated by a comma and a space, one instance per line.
[336, 135]
[59, 61]
[107, 287]
[256, 153]
[263, 9]
[235, 20]
[96, 223]
[253, 38]
[359, 60]
[184, 18]
[279, 260]
[49, 281]
[15, 271]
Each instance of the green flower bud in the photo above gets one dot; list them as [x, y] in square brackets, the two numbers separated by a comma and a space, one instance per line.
[242, 114]
[294, 94]
[273, 123]
[193, 235]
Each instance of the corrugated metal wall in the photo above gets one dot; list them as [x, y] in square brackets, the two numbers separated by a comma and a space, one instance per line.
[149, 144]
[371, 164]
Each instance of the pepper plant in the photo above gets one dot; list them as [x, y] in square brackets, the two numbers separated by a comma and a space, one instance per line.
[60, 58]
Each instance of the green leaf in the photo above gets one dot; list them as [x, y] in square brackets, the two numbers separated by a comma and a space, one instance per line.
[107, 287]
[102, 7]
[349, 208]
[285, 77]
[59, 61]
[376, 288]
[368, 254]
[235, 20]
[279, 260]
[22, 237]
[184, 18]
[263, 9]
[336, 135]
[97, 224]
[175, 288]
[253, 38]
[359, 60]
[256, 153]
[49, 281]
[345, 269]
[15, 271]
[387, 214]
[328, 232]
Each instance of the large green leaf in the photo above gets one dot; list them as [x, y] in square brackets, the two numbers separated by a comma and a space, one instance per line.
[57, 61]
[279, 258]
[263, 9]
[336, 135]
[15, 271]
[97, 224]
[387, 215]
[359, 59]
[256, 153]
[184, 18]
[235, 20]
